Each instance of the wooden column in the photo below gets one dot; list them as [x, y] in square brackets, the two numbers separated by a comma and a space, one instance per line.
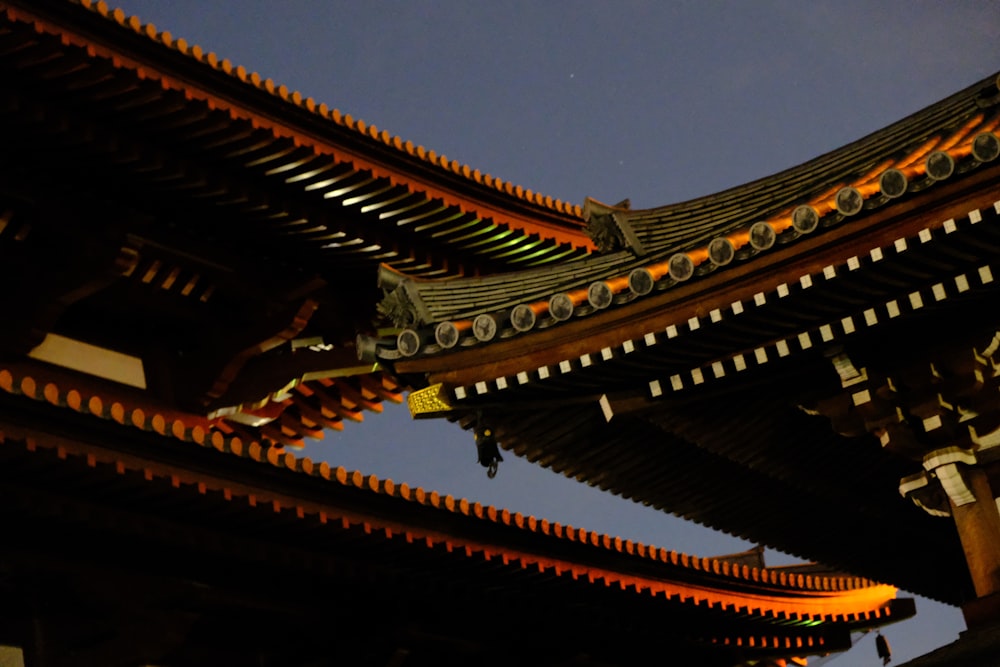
[978, 526]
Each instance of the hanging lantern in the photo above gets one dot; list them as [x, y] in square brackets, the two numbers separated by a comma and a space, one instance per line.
[487, 450]
[882, 646]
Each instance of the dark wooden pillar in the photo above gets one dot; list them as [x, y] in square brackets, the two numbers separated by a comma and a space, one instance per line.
[978, 525]
[955, 483]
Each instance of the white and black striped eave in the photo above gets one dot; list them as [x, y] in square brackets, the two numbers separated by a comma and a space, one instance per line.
[806, 339]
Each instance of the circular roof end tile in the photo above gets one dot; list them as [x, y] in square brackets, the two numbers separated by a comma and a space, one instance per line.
[408, 342]
[940, 165]
[484, 328]
[522, 317]
[681, 267]
[805, 219]
[721, 251]
[561, 307]
[893, 183]
[986, 147]
[849, 201]
[762, 236]
[640, 282]
[599, 294]
[446, 334]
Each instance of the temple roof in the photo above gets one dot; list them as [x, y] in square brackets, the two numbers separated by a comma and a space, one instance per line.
[790, 352]
[226, 240]
[184, 171]
[184, 106]
[113, 472]
[652, 254]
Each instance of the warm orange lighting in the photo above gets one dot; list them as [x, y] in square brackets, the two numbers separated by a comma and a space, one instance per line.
[91, 359]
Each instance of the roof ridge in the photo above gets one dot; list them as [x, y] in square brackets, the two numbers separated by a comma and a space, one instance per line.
[367, 130]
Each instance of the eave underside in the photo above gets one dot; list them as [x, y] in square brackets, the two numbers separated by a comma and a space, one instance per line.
[752, 464]
[233, 571]
[707, 396]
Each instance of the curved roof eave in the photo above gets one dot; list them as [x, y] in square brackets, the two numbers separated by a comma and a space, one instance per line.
[736, 231]
[203, 78]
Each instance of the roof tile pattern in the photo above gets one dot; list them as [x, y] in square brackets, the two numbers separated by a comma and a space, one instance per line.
[702, 237]
[345, 189]
[774, 596]
[791, 342]
[285, 159]
[701, 399]
[318, 405]
[367, 130]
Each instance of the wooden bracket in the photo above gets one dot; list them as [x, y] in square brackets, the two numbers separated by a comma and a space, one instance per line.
[209, 373]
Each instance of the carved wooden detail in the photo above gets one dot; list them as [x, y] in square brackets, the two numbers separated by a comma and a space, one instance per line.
[951, 398]
[397, 307]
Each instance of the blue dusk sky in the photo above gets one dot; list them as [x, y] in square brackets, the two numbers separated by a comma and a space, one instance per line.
[657, 102]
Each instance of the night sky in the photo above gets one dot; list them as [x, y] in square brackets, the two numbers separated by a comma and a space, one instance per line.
[658, 102]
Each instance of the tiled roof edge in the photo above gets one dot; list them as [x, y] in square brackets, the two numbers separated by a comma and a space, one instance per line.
[857, 607]
[198, 431]
[969, 93]
[693, 260]
[367, 130]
